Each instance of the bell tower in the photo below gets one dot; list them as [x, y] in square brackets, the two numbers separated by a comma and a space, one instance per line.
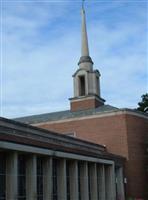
[86, 80]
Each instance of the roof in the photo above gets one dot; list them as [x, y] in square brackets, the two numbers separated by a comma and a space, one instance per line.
[24, 134]
[67, 114]
[54, 116]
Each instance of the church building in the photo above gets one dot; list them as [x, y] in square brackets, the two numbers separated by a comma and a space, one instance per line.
[93, 151]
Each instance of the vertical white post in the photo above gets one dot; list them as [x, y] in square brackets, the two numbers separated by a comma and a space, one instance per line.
[11, 176]
[47, 178]
[120, 184]
[93, 181]
[61, 180]
[31, 177]
[101, 181]
[110, 182]
[73, 175]
[84, 189]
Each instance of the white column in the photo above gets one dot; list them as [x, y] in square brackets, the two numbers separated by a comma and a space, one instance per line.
[84, 189]
[101, 181]
[11, 176]
[73, 175]
[110, 182]
[31, 177]
[93, 181]
[120, 184]
[61, 180]
[47, 178]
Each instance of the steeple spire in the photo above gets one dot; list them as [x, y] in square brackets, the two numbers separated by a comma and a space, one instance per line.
[86, 80]
[84, 43]
[84, 47]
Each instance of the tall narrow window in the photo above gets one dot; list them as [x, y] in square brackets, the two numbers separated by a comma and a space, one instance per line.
[39, 178]
[2, 177]
[79, 185]
[89, 186]
[116, 171]
[97, 85]
[54, 176]
[21, 177]
[82, 91]
[68, 179]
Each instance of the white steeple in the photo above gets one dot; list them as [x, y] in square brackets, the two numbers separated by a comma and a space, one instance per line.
[86, 80]
[84, 47]
[85, 60]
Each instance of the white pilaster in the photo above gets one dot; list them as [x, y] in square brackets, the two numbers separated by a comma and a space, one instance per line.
[110, 182]
[47, 178]
[11, 176]
[61, 180]
[84, 181]
[93, 181]
[73, 175]
[101, 181]
[120, 184]
[31, 177]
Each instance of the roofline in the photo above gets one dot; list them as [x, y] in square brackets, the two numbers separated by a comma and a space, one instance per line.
[20, 124]
[96, 115]
[24, 134]
[135, 112]
[17, 118]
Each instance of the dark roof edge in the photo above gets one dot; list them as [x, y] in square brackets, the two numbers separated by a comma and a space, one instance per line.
[113, 110]
[94, 150]
[63, 111]
[38, 114]
[50, 132]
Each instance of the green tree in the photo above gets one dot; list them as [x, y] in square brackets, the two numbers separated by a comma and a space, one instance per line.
[143, 105]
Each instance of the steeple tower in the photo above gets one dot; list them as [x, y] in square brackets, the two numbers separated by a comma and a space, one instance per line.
[86, 80]
[84, 50]
[84, 44]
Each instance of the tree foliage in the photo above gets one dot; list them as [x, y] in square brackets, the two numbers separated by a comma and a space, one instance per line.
[143, 105]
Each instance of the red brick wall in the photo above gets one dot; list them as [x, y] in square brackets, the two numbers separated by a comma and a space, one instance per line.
[85, 104]
[137, 128]
[122, 134]
[110, 131]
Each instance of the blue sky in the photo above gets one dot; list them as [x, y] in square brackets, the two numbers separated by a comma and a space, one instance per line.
[40, 49]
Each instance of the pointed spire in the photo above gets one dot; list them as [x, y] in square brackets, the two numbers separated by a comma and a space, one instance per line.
[84, 45]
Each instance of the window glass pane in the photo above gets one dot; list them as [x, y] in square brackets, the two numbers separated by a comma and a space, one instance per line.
[68, 179]
[2, 177]
[39, 178]
[89, 186]
[54, 173]
[79, 189]
[21, 177]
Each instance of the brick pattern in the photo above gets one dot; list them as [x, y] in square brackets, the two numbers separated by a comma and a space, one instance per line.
[123, 135]
[137, 129]
[104, 131]
[85, 104]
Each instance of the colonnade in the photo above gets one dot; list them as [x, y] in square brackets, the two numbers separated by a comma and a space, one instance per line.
[86, 180]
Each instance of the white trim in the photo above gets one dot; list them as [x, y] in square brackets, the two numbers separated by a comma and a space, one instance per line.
[84, 158]
[47, 152]
[84, 98]
[70, 134]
